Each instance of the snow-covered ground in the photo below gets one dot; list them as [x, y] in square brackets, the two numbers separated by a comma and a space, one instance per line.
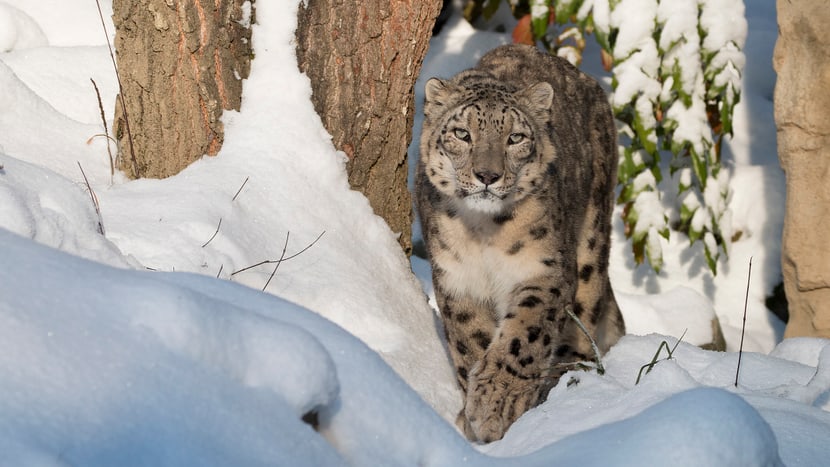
[142, 347]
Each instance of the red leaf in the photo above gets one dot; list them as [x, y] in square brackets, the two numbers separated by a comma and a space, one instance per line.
[523, 32]
[607, 60]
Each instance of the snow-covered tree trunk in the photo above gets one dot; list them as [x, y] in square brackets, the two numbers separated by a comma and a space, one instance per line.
[802, 114]
[363, 59]
[181, 63]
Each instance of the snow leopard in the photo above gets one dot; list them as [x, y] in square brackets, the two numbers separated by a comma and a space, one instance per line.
[515, 192]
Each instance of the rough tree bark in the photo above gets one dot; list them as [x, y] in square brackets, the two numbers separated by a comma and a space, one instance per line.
[363, 58]
[802, 114]
[181, 62]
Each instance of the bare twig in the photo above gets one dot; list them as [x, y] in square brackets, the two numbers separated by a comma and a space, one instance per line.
[136, 173]
[282, 256]
[104, 121]
[221, 267]
[281, 259]
[600, 368]
[100, 135]
[240, 189]
[214, 233]
[94, 201]
[648, 366]
[743, 326]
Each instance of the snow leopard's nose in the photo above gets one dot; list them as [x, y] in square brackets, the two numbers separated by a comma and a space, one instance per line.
[487, 177]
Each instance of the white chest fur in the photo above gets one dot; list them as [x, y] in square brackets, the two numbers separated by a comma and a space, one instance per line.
[484, 266]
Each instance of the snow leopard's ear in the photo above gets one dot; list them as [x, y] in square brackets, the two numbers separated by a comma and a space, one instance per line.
[437, 95]
[538, 99]
[436, 90]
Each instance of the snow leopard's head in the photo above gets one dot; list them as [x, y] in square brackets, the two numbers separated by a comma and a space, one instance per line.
[481, 140]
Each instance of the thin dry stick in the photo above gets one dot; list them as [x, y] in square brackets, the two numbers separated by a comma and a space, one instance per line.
[94, 201]
[240, 189]
[214, 234]
[743, 326]
[274, 272]
[136, 173]
[221, 266]
[600, 368]
[104, 121]
[281, 259]
[101, 135]
[648, 366]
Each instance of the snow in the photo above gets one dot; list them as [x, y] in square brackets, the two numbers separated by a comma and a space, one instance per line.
[154, 368]
[726, 29]
[18, 30]
[141, 346]
[691, 121]
[694, 49]
[657, 436]
[635, 21]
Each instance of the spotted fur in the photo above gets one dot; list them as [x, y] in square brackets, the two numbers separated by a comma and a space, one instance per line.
[515, 192]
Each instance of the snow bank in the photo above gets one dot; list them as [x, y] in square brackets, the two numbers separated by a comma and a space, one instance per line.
[173, 368]
[18, 30]
[144, 372]
[46, 207]
[103, 365]
[295, 189]
[702, 426]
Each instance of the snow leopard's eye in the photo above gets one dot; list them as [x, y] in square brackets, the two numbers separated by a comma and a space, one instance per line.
[515, 138]
[462, 134]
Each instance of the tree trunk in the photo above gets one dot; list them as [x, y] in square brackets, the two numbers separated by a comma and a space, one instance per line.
[802, 115]
[363, 58]
[181, 63]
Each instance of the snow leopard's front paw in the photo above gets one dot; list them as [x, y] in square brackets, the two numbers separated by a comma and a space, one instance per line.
[496, 396]
[463, 425]
[485, 404]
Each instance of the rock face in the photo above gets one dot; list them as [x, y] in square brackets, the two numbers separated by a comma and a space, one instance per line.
[802, 115]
